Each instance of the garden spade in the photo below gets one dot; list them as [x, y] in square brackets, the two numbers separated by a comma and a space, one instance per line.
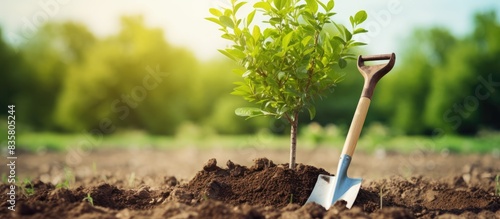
[330, 189]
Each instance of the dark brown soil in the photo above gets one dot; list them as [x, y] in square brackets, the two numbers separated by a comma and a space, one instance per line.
[262, 190]
[263, 184]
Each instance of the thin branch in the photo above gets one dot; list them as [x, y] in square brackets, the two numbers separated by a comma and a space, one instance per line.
[261, 73]
[287, 117]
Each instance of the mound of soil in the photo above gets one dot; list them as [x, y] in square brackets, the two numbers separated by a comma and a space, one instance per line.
[263, 184]
[263, 190]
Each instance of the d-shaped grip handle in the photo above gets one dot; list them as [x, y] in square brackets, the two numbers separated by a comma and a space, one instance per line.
[376, 57]
[373, 73]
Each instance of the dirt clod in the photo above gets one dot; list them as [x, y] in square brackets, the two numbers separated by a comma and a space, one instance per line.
[237, 171]
[143, 193]
[211, 165]
[170, 181]
[230, 164]
[181, 195]
[261, 163]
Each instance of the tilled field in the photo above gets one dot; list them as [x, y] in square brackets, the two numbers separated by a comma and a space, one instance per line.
[110, 184]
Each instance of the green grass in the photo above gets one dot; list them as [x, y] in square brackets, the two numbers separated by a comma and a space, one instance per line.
[69, 179]
[60, 142]
[89, 199]
[404, 144]
[450, 143]
[27, 188]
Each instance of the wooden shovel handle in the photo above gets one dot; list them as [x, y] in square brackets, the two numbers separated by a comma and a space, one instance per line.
[356, 125]
[372, 75]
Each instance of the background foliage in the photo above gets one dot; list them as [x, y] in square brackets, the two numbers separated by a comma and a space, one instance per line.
[66, 79]
[441, 83]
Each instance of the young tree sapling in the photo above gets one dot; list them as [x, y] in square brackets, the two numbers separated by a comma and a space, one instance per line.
[289, 60]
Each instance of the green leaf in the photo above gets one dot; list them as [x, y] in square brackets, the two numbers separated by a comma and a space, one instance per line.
[238, 6]
[349, 57]
[330, 5]
[330, 14]
[342, 63]
[322, 5]
[339, 39]
[359, 30]
[281, 75]
[228, 36]
[215, 12]
[227, 54]
[251, 112]
[312, 5]
[256, 33]
[308, 51]
[250, 43]
[312, 112]
[239, 93]
[292, 91]
[306, 40]
[215, 20]
[241, 83]
[275, 20]
[226, 21]
[237, 31]
[283, 109]
[238, 72]
[357, 44]
[242, 89]
[360, 16]
[250, 17]
[248, 111]
[340, 27]
[286, 40]
[263, 5]
[246, 74]
[348, 35]
[236, 53]
[278, 4]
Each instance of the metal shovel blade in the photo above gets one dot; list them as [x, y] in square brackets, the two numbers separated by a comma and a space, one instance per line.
[330, 189]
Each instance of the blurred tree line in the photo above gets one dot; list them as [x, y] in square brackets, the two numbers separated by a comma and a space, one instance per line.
[68, 80]
[446, 83]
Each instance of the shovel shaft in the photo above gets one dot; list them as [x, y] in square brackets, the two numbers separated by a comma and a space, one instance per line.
[356, 126]
[372, 74]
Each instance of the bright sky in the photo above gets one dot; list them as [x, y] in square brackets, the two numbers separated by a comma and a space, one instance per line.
[389, 21]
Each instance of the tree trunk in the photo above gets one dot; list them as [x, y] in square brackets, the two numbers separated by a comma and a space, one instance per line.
[293, 139]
